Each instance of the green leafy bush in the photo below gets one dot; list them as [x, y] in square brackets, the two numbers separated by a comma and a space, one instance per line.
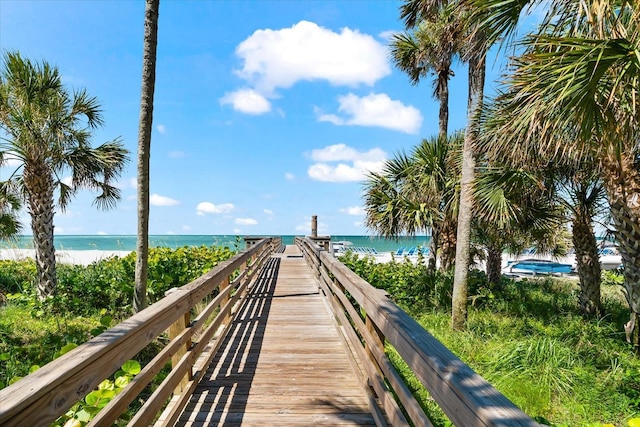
[88, 301]
[109, 283]
[406, 282]
[17, 276]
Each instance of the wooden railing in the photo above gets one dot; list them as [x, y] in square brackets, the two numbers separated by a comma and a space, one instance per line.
[41, 397]
[370, 321]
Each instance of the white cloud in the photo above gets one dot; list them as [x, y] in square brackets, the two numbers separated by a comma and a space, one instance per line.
[237, 231]
[170, 233]
[289, 176]
[374, 110]
[247, 101]
[208, 207]
[268, 211]
[353, 210]
[339, 173]
[176, 154]
[246, 221]
[161, 128]
[307, 52]
[337, 152]
[186, 228]
[359, 163]
[68, 180]
[158, 200]
[102, 233]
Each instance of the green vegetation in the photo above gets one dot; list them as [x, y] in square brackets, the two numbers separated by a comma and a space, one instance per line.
[528, 339]
[88, 300]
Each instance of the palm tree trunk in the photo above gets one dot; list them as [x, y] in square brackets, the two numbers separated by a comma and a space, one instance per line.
[39, 188]
[463, 240]
[443, 97]
[494, 265]
[448, 244]
[144, 148]
[588, 262]
[622, 182]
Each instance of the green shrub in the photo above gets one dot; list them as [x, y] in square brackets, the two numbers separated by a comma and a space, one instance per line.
[17, 276]
[109, 283]
[407, 283]
[88, 300]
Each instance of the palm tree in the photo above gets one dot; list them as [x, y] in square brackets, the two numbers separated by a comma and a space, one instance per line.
[578, 190]
[514, 210]
[44, 129]
[580, 74]
[144, 147]
[413, 12]
[415, 193]
[430, 49]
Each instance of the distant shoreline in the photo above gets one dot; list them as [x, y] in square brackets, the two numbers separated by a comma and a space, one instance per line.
[174, 241]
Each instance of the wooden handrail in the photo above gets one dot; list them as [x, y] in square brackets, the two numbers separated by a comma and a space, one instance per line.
[41, 397]
[369, 318]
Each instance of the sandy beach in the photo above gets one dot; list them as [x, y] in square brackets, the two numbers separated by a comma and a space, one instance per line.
[63, 256]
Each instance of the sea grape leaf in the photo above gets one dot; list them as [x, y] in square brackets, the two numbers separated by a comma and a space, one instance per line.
[106, 321]
[121, 382]
[67, 348]
[131, 367]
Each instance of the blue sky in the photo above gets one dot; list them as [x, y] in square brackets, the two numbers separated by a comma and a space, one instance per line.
[265, 113]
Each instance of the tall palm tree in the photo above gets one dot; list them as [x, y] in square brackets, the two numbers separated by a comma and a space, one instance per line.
[581, 72]
[144, 148]
[45, 132]
[430, 48]
[413, 12]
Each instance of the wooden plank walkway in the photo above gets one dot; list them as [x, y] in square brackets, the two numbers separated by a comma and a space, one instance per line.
[283, 362]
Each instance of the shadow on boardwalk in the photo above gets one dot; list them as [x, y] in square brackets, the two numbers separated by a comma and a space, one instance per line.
[221, 396]
[283, 362]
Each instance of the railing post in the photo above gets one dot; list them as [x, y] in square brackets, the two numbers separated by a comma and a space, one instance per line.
[174, 330]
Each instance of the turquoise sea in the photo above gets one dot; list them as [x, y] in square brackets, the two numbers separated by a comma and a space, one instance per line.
[128, 243]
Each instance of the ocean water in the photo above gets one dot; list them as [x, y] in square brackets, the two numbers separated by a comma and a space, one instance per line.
[128, 243]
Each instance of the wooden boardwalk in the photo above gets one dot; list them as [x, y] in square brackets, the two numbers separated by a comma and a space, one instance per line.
[283, 362]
